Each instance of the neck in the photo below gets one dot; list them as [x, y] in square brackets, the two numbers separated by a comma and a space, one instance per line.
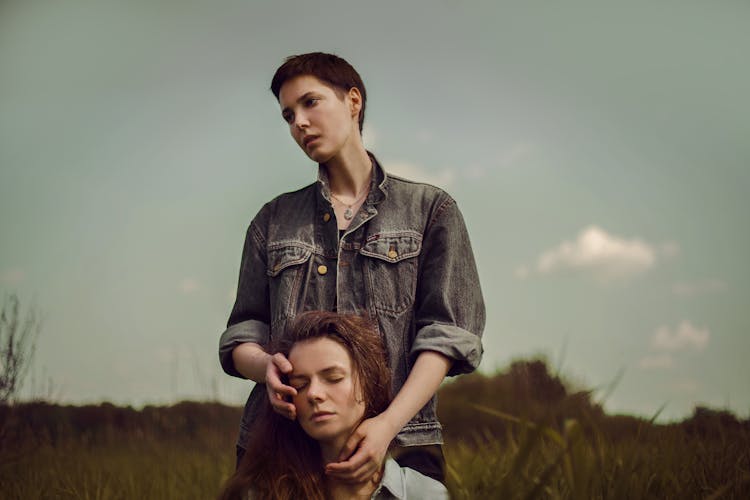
[350, 170]
[329, 450]
[340, 490]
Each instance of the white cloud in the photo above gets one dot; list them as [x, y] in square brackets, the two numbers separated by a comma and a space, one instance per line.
[669, 249]
[189, 285]
[514, 154]
[12, 276]
[656, 361]
[699, 288]
[608, 256]
[418, 173]
[685, 336]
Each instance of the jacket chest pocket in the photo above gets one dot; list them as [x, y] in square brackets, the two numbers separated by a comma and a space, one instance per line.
[391, 267]
[287, 266]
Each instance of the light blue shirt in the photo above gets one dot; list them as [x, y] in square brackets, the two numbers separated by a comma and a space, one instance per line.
[403, 483]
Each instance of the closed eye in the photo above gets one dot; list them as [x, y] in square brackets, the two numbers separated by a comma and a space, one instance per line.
[298, 382]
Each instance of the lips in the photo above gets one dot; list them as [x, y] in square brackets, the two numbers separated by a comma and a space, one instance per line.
[308, 139]
[321, 416]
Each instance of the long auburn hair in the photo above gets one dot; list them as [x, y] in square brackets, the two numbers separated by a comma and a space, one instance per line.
[282, 461]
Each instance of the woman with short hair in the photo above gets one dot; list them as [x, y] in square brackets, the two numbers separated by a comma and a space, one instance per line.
[357, 241]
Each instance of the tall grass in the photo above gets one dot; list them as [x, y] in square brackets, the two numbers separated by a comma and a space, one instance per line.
[514, 435]
[538, 461]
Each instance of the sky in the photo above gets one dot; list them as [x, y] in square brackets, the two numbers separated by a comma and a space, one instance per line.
[599, 154]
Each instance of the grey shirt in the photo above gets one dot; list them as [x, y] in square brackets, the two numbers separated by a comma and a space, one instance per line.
[405, 261]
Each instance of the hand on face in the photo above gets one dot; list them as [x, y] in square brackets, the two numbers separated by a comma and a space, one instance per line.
[277, 390]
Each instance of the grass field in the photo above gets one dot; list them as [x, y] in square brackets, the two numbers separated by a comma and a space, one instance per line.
[518, 434]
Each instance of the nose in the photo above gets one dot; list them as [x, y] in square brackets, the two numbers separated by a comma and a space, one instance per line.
[301, 121]
[315, 391]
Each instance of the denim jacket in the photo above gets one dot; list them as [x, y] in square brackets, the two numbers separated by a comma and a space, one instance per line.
[405, 261]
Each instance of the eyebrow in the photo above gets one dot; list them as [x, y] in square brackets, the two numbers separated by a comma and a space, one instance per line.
[300, 99]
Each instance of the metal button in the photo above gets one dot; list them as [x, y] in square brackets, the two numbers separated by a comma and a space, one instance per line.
[326, 217]
[322, 270]
[392, 254]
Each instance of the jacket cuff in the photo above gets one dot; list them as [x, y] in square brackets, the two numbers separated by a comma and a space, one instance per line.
[462, 346]
[239, 333]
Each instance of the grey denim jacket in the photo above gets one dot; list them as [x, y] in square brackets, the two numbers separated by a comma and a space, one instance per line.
[405, 261]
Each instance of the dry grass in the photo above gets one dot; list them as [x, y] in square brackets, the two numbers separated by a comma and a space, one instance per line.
[514, 435]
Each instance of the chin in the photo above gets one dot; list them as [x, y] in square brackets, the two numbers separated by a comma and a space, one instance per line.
[322, 434]
[318, 156]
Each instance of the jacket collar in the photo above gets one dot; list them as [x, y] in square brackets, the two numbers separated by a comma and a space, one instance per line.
[378, 186]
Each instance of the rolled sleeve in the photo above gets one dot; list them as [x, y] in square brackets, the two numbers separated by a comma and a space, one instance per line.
[450, 312]
[240, 333]
[463, 347]
[250, 317]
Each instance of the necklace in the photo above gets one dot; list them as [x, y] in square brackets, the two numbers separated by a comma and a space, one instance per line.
[349, 212]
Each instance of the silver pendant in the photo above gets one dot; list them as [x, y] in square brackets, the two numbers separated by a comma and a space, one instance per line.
[348, 214]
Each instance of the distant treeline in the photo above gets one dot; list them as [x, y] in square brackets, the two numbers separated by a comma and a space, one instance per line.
[526, 390]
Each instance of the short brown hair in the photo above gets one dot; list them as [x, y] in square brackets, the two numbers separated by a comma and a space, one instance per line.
[328, 68]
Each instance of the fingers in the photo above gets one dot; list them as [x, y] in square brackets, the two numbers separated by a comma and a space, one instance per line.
[361, 466]
[278, 392]
[283, 408]
[356, 467]
[351, 444]
[281, 363]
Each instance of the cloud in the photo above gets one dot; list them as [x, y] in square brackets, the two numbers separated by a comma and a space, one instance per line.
[595, 250]
[12, 276]
[189, 285]
[656, 361]
[418, 173]
[669, 249]
[513, 155]
[699, 288]
[684, 337]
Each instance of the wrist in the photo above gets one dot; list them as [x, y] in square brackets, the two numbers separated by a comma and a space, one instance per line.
[391, 421]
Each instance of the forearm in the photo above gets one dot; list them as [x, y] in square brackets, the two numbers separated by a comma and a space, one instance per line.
[423, 381]
[251, 360]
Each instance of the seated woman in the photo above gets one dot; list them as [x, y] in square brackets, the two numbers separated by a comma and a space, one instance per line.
[341, 377]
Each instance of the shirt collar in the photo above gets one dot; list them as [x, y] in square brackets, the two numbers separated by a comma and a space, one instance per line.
[392, 480]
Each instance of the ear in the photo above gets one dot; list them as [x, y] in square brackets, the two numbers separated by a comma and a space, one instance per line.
[355, 101]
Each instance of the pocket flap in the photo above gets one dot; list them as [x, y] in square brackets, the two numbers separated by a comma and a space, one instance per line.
[393, 247]
[281, 257]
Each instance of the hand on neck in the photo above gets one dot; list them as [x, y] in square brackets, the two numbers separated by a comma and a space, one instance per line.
[339, 489]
